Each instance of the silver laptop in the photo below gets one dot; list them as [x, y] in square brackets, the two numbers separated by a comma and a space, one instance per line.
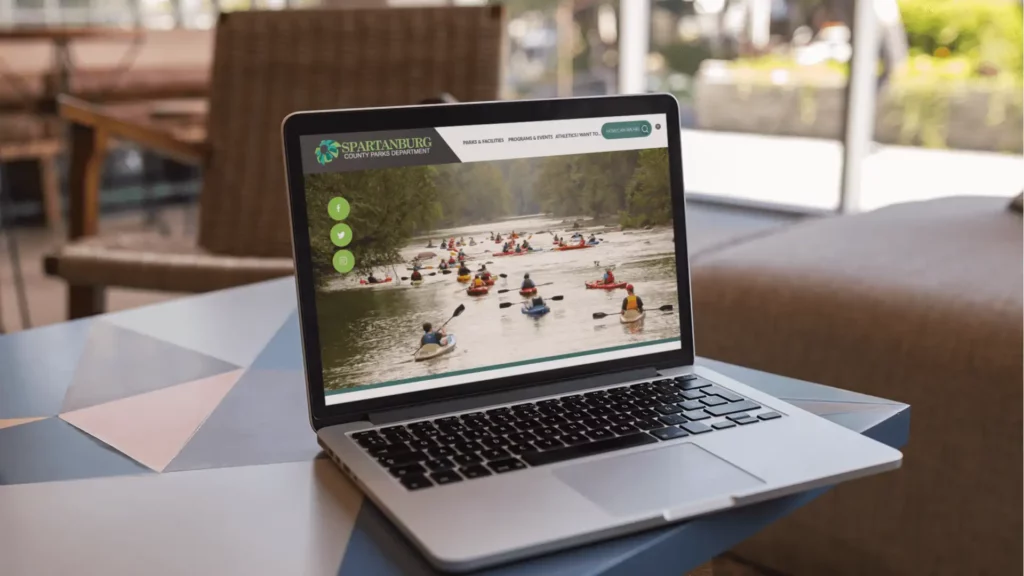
[497, 329]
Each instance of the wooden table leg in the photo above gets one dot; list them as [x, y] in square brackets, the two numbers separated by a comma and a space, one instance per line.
[88, 149]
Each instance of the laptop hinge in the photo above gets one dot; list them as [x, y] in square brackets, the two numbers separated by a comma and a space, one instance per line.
[506, 396]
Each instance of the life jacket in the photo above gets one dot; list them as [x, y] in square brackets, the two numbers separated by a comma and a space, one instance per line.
[631, 302]
[477, 282]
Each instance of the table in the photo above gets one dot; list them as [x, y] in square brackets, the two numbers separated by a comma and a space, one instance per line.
[174, 439]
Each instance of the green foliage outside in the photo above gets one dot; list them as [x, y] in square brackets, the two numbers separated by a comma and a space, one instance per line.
[986, 34]
[391, 206]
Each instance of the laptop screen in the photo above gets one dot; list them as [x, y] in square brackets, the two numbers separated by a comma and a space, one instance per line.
[457, 254]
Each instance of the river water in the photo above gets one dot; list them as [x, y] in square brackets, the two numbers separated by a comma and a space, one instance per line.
[369, 333]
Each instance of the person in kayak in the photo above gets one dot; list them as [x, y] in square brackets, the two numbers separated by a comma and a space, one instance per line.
[478, 282]
[431, 337]
[592, 239]
[484, 272]
[430, 243]
[519, 248]
[443, 265]
[535, 302]
[416, 276]
[371, 279]
[582, 241]
[463, 271]
[631, 301]
[527, 283]
[609, 277]
[576, 225]
[526, 246]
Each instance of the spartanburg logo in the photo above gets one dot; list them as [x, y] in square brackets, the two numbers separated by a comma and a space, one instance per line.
[326, 151]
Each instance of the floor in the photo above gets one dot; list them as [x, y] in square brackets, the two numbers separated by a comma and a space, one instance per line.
[708, 226]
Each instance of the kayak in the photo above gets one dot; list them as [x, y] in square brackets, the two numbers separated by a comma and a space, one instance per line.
[516, 253]
[478, 290]
[631, 316]
[593, 243]
[536, 311]
[528, 291]
[417, 282]
[384, 281]
[598, 285]
[573, 247]
[490, 281]
[465, 278]
[429, 351]
[410, 268]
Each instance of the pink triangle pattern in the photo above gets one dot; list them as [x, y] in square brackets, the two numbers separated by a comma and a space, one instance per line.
[152, 428]
[16, 421]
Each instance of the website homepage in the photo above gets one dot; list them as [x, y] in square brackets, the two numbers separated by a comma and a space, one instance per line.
[445, 256]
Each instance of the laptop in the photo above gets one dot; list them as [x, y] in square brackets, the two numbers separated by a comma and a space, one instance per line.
[497, 330]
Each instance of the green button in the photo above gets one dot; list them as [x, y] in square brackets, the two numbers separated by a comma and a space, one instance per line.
[631, 129]
[341, 235]
[344, 261]
[338, 208]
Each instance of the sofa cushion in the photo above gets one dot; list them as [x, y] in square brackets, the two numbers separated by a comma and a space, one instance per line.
[920, 303]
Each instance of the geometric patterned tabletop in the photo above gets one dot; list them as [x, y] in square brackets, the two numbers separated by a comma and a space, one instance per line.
[174, 439]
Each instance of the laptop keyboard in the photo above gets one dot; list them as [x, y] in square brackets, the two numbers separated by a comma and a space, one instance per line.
[478, 444]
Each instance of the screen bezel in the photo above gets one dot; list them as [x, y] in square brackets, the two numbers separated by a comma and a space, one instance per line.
[401, 118]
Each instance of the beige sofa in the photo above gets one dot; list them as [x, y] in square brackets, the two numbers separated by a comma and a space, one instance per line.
[920, 303]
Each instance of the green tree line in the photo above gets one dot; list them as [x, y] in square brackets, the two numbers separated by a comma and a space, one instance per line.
[390, 206]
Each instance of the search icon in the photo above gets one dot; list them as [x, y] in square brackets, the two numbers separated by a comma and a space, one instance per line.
[645, 128]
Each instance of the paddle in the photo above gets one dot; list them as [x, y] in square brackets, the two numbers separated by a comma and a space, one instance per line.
[555, 298]
[599, 315]
[504, 290]
[459, 310]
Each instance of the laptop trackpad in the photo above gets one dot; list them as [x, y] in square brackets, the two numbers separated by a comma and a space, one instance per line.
[656, 480]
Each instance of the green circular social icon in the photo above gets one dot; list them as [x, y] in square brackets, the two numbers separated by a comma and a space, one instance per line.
[338, 208]
[344, 261]
[341, 235]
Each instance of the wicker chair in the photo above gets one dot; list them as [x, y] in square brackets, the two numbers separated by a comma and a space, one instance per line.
[266, 65]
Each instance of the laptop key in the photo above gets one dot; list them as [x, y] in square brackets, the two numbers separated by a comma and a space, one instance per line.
[446, 477]
[713, 400]
[468, 447]
[416, 482]
[732, 408]
[524, 406]
[508, 465]
[441, 451]
[392, 429]
[748, 420]
[446, 420]
[402, 459]
[738, 417]
[448, 439]
[439, 464]
[501, 429]
[521, 448]
[549, 402]
[648, 424]
[508, 418]
[521, 437]
[575, 415]
[421, 444]
[590, 449]
[695, 427]
[371, 441]
[692, 394]
[420, 424]
[474, 471]
[406, 470]
[769, 416]
[476, 424]
[549, 443]
[475, 434]
[600, 434]
[494, 454]
[528, 414]
[668, 409]
[466, 459]
[601, 411]
[451, 428]
[502, 410]
[693, 384]
[597, 401]
[620, 418]
[472, 416]
[495, 442]
[646, 402]
[572, 427]
[685, 378]
[547, 432]
[529, 424]
[696, 415]
[622, 429]
[552, 420]
[691, 405]
[723, 425]
[730, 396]
[551, 410]
[669, 433]
[671, 420]
[574, 439]
[595, 423]
[662, 381]
[365, 434]
[426, 432]
[397, 436]
[388, 449]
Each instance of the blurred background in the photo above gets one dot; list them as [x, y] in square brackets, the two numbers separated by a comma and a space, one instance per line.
[790, 108]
